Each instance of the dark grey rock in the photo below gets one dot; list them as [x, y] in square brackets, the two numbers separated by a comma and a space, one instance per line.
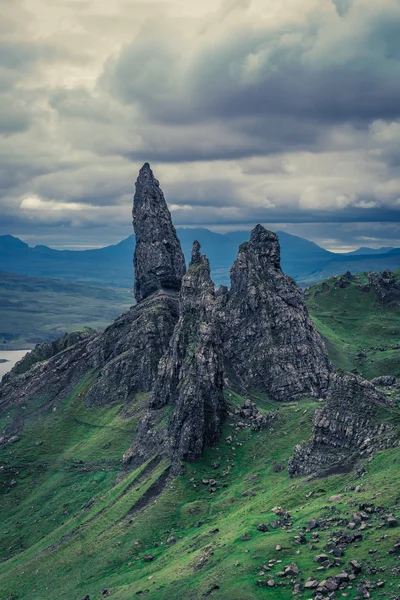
[384, 381]
[271, 343]
[46, 350]
[385, 285]
[347, 426]
[159, 261]
[190, 376]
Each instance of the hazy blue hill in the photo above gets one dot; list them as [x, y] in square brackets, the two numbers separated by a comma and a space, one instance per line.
[35, 309]
[364, 250]
[302, 259]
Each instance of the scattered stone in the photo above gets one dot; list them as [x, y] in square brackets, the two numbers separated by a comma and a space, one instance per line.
[391, 521]
[171, 540]
[321, 558]
[311, 583]
[292, 570]
[335, 498]
[355, 566]
[148, 558]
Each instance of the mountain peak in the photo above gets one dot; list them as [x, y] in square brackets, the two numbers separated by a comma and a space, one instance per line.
[9, 242]
[159, 262]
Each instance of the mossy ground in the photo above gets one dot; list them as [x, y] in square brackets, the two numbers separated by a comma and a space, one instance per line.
[73, 524]
[354, 322]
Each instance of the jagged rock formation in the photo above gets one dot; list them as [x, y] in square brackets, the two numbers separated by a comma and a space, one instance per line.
[349, 424]
[270, 342]
[159, 261]
[190, 377]
[122, 361]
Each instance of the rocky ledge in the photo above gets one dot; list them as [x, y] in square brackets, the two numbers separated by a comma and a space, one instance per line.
[351, 423]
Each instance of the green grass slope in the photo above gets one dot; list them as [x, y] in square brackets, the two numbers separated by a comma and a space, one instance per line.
[33, 310]
[360, 332]
[75, 526]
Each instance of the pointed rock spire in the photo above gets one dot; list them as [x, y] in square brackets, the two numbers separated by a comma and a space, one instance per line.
[271, 343]
[191, 372]
[159, 262]
[257, 256]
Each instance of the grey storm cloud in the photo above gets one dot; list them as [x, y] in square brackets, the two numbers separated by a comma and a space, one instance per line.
[265, 75]
[288, 116]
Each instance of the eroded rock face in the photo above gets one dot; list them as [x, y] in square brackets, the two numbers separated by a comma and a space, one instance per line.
[130, 349]
[190, 377]
[159, 262]
[270, 342]
[348, 425]
[120, 362]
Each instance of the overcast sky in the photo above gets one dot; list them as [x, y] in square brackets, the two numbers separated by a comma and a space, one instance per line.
[285, 113]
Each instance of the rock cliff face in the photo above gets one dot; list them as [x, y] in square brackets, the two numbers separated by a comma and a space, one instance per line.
[190, 376]
[271, 344]
[159, 262]
[350, 424]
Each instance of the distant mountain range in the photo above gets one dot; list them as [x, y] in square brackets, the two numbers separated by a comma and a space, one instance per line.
[305, 261]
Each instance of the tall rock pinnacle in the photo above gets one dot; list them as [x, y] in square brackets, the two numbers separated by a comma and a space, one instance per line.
[271, 344]
[159, 262]
[189, 386]
[191, 372]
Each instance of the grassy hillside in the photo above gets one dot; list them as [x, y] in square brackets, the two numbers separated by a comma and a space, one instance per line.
[34, 309]
[75, 526]
[361, 332]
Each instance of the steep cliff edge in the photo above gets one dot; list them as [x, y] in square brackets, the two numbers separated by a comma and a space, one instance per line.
[271, 344]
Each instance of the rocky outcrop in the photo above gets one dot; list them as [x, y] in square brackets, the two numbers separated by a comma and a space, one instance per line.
[190, 377]
[130, 349]
[384, 381]
[122, 361]
[270, 342]
[350, 424]
[385, 285]
[159, 262]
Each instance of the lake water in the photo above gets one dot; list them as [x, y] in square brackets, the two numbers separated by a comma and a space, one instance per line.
[12, 356]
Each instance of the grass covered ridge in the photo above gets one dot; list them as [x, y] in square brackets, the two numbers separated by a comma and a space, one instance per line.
[360, 332]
